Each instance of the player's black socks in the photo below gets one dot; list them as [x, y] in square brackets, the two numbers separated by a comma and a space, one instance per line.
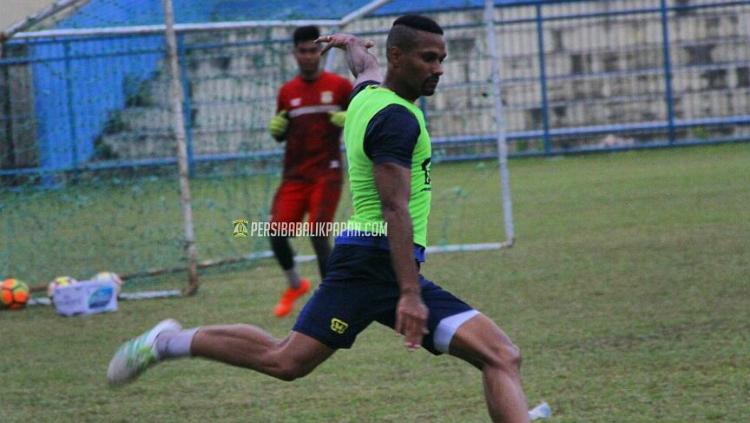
[282, 250]
[322, 251]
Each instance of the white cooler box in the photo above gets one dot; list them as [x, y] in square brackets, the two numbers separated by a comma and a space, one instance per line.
[86, 297]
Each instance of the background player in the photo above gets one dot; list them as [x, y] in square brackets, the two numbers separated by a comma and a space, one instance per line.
[310, 115]
[369, 277]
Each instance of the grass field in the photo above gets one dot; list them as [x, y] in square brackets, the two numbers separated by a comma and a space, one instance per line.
[627, 292]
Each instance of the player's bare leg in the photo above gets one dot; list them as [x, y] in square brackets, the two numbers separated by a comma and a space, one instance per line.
[250, 347]
[238, 345]
[482, 343]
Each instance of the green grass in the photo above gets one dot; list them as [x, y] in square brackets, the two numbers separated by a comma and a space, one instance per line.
[627, 292]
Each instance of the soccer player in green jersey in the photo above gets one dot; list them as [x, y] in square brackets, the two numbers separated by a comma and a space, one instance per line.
[373, 271]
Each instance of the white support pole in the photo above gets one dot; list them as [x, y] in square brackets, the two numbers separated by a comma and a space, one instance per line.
[181, 28]
[346, 20]
[362, 11]
[331, 54]
[58, 7]
[156, 29]
[502, 145]
[178, 126]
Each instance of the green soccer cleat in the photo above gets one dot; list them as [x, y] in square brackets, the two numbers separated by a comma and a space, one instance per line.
[138, 354]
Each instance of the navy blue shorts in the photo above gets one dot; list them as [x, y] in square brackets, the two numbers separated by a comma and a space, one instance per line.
[361, 287]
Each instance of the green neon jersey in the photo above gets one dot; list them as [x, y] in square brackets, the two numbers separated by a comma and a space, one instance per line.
[367, 207]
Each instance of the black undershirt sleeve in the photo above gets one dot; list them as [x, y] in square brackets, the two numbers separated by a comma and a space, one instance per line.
[391, 136]
[361, 86]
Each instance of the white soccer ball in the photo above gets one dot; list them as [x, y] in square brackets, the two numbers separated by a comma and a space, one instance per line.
[58, 282]
[109, 276]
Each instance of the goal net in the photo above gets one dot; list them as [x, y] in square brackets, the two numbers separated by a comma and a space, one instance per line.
[89, 175]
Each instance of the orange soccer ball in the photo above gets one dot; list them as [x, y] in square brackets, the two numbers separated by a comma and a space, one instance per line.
[14, 294]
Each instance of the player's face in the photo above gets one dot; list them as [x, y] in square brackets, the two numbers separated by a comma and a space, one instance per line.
[307, 54]
[425, 63]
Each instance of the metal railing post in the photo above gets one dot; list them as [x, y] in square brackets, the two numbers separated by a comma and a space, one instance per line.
[187, 106]
[543, 79]
[70, 104]
[668, 94]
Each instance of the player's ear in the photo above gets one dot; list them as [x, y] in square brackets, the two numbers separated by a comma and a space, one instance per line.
[394, 55]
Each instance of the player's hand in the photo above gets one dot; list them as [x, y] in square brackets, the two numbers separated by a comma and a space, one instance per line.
[278, 124]
[338, 118]
[411, 319]
[341, 41]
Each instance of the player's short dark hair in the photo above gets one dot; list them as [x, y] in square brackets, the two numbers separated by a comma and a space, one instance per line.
[306, 33]
[403, 32]
[422, 23]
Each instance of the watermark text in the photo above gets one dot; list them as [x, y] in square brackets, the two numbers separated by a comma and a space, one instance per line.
[244, 229]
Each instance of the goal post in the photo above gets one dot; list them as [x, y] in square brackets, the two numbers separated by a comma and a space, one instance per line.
[176, 96]
[502, 142]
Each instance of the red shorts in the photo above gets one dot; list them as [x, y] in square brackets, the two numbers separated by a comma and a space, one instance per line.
[318, 199]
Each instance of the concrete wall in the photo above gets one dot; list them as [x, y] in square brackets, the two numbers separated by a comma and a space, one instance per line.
[18, 146]
[12, 11]
[17, 124]
[600, 72]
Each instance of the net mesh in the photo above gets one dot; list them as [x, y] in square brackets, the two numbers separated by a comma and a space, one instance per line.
[107, 198]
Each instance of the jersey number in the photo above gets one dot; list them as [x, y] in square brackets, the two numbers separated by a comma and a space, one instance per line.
[426, 170]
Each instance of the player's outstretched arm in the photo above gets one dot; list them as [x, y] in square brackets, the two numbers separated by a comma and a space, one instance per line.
[362, 63]
[393, 183]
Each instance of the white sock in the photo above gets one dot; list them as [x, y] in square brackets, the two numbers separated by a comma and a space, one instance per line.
[175, 344]
[292, 277]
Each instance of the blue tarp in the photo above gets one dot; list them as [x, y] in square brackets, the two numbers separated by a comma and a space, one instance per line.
[71, 112]
[104, 13]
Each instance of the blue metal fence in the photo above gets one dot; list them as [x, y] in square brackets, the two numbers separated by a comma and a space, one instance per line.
[577, 77]
[602, 92]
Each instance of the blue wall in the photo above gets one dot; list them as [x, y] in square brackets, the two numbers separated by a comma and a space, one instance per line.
[105, 13]
[78, 83]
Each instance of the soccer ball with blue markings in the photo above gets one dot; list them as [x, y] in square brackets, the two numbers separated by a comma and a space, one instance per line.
[109, 276]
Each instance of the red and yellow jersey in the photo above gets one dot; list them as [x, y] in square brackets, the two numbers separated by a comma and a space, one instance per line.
[312, 141]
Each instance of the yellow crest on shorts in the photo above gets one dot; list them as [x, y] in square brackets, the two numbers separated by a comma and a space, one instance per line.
[338, 326]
